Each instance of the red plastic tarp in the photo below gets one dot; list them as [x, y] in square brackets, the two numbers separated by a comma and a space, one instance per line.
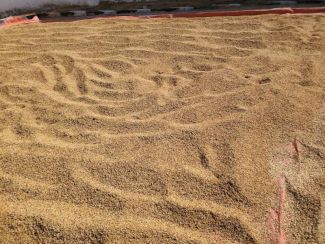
[236, 13]
[308, 10]
[15, 20]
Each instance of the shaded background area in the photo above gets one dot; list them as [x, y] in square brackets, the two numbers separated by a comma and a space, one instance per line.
[201, 3]
[8, 7]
